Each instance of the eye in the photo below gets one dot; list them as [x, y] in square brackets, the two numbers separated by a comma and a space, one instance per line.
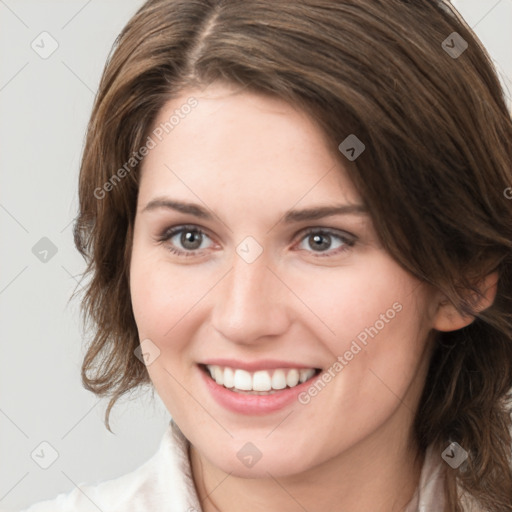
[188, 240]
[322, 240]
[185, 240]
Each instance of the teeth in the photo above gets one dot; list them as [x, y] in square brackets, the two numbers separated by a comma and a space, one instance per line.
[292, 378]
[261, 381]
[228, 378]
[306, 374]
[243, 380]
[218, 375]
[279, 380]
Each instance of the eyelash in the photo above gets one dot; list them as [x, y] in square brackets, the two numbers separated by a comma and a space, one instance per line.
[347, 240]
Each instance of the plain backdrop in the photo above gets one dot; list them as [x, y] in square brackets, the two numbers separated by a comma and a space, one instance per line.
[45, 102]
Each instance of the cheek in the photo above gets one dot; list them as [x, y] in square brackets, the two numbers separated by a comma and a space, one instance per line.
[160, 296]
[345, 301]
[379, 334]
[148, 299]
[162, 302]
[373, 314]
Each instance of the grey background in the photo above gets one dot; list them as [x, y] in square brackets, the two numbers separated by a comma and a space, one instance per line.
[44, 108]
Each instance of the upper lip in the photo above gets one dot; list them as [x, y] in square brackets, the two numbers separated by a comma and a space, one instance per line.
[252, 366]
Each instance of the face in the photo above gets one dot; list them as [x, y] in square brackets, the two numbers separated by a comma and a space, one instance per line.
[239, 268]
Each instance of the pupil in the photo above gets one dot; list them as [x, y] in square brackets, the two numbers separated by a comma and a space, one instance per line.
[189, 240]
[321, 241]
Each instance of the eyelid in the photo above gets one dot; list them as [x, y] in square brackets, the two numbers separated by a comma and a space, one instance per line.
[168, 232]
[340, 233]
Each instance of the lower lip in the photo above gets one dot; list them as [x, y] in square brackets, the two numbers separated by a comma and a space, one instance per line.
[253, 404]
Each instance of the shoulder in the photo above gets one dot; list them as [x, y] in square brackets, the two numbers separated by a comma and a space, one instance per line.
[430, 493]
[106, 496]
[164, 481]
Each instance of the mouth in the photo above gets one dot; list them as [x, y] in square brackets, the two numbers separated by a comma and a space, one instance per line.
[260, 382]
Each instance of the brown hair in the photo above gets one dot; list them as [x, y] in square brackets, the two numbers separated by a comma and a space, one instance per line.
[438, 156]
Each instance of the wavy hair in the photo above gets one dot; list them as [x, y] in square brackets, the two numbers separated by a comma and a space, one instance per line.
[434, 175]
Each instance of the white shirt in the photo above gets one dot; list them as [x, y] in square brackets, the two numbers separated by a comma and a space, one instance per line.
[164, 483]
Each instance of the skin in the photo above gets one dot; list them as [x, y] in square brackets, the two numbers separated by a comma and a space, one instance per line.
[248, 159]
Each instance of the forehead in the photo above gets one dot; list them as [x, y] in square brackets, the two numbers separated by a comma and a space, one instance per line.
[237, 139]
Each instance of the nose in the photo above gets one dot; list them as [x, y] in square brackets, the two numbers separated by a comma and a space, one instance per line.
[251, 303]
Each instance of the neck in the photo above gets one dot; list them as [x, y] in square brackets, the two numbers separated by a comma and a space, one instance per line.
[376, 475]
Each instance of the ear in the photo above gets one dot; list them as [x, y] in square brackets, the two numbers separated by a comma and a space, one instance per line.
[447, 318]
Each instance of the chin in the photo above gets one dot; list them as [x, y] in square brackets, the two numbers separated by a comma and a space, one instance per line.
[252, 460]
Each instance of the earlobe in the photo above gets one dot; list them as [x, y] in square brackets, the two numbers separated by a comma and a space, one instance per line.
[448, 318]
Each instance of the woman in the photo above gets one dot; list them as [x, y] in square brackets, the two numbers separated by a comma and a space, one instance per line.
[295, 222]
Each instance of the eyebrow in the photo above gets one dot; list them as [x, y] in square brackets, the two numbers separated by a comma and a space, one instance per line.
[313, 213]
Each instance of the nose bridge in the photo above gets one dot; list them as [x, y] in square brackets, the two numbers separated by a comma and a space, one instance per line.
[248, 306]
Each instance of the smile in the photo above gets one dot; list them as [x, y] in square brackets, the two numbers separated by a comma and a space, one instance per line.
[259, 382]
